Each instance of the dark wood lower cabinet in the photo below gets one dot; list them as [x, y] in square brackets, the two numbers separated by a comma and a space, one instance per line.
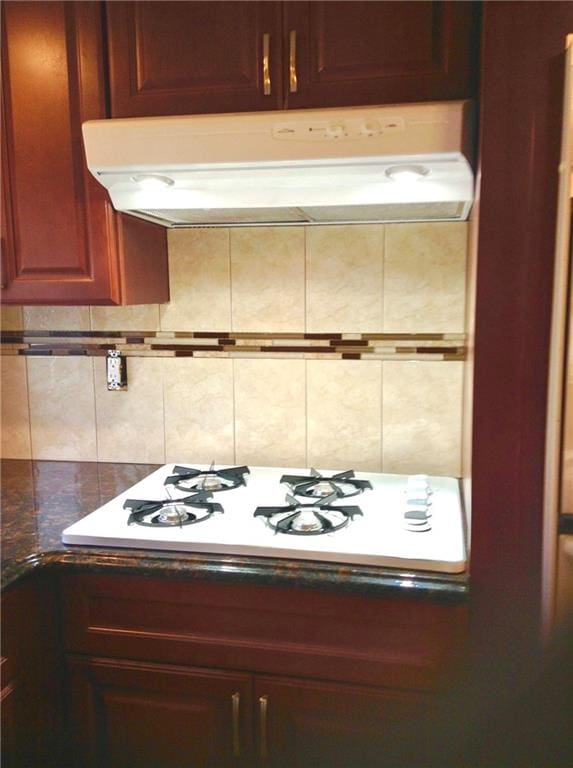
[308, 724]
[30, 693]
[124, 714]
[129, 714]
[167, 674]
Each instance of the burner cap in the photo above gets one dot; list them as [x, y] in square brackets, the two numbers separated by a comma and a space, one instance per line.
[316, 486]
[190, 479]
[170, 512]
[173, 514]
[308, 519]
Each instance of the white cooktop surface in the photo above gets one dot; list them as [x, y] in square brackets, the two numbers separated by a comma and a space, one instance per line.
[378, 537]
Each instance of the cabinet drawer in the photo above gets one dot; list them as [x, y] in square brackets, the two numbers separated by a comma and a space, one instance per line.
[307, 633]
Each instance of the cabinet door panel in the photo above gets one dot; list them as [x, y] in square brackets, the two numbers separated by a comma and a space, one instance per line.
[169, 58]
[351, 53]
[133, 715]
[59, 217]
[302, 724]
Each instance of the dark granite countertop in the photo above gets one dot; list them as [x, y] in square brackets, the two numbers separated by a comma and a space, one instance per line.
[41, 498]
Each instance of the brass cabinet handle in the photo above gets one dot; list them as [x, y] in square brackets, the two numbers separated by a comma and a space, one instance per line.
[236, 704]
[263, 744]
[292, 78]
[266, 69]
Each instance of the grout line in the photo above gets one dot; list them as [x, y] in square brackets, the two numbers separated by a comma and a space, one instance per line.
[383, 276]
[163, 409]
[231, 320]
[305, 297]
[231, 326]
[306, 413]
[94, 384]
[381, 463]
[234, 412]
[26, 378]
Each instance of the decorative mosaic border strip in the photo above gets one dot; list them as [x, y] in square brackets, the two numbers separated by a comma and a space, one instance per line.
[331, 346]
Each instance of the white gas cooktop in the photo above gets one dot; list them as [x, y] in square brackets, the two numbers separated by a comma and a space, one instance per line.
[405, 522]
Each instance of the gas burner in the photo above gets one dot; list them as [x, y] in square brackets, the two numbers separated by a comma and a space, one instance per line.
[308, 519]
[210, 480]
[315, 485]
[171, 512]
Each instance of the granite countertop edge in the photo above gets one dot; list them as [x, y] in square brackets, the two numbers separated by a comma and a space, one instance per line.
[370, 580]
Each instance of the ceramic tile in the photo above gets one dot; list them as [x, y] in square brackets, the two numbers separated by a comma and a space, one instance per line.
[15, 414]
[11, 318]
[62, 413]
[199, 281]
[130, 422]
[344, 278]
[267, 283]
[56, 318]
[344, 414]
[270, 428]
[421, 417]
[424, 277]
[199, 424]
[137, 317]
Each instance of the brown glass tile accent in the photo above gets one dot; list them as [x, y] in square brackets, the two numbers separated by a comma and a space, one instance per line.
[189, 347]
[334, 336]
[436, 350]
[205, 335]
[351, 356]
[296, 349]
[403, 336]
[349, 342]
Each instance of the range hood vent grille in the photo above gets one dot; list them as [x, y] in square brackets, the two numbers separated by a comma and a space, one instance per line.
[388, 213]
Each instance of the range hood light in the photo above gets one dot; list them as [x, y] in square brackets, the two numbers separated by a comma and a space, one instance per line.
[152, 181]
[407, 173]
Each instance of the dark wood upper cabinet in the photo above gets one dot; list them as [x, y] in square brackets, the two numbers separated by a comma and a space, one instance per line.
[186, 57]
[171, 58]
[353, 53]
[62, 241]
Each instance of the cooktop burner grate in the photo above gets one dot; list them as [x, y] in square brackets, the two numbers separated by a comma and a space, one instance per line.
[171, 512]
[210, 480]
[315, 485]
[308, 519]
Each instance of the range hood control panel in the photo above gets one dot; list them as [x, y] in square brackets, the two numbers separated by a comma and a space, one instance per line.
[321, 130]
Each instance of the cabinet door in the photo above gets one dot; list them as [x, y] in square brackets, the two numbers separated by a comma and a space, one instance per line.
[351, 53]
[134, 715]
[304, 724]
[173, 58]
[63, 241]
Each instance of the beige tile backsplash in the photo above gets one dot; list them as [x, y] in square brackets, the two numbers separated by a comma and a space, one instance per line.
[371, 415]
[344, 414]
[267, 279]
[130, 422]
[270, 418]
[199, 410]
[199, 281]
[62, 408]
[15, 410]
[344, 286]
[425, 278]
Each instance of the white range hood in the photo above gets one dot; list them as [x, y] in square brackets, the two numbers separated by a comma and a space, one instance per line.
[362, 164]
